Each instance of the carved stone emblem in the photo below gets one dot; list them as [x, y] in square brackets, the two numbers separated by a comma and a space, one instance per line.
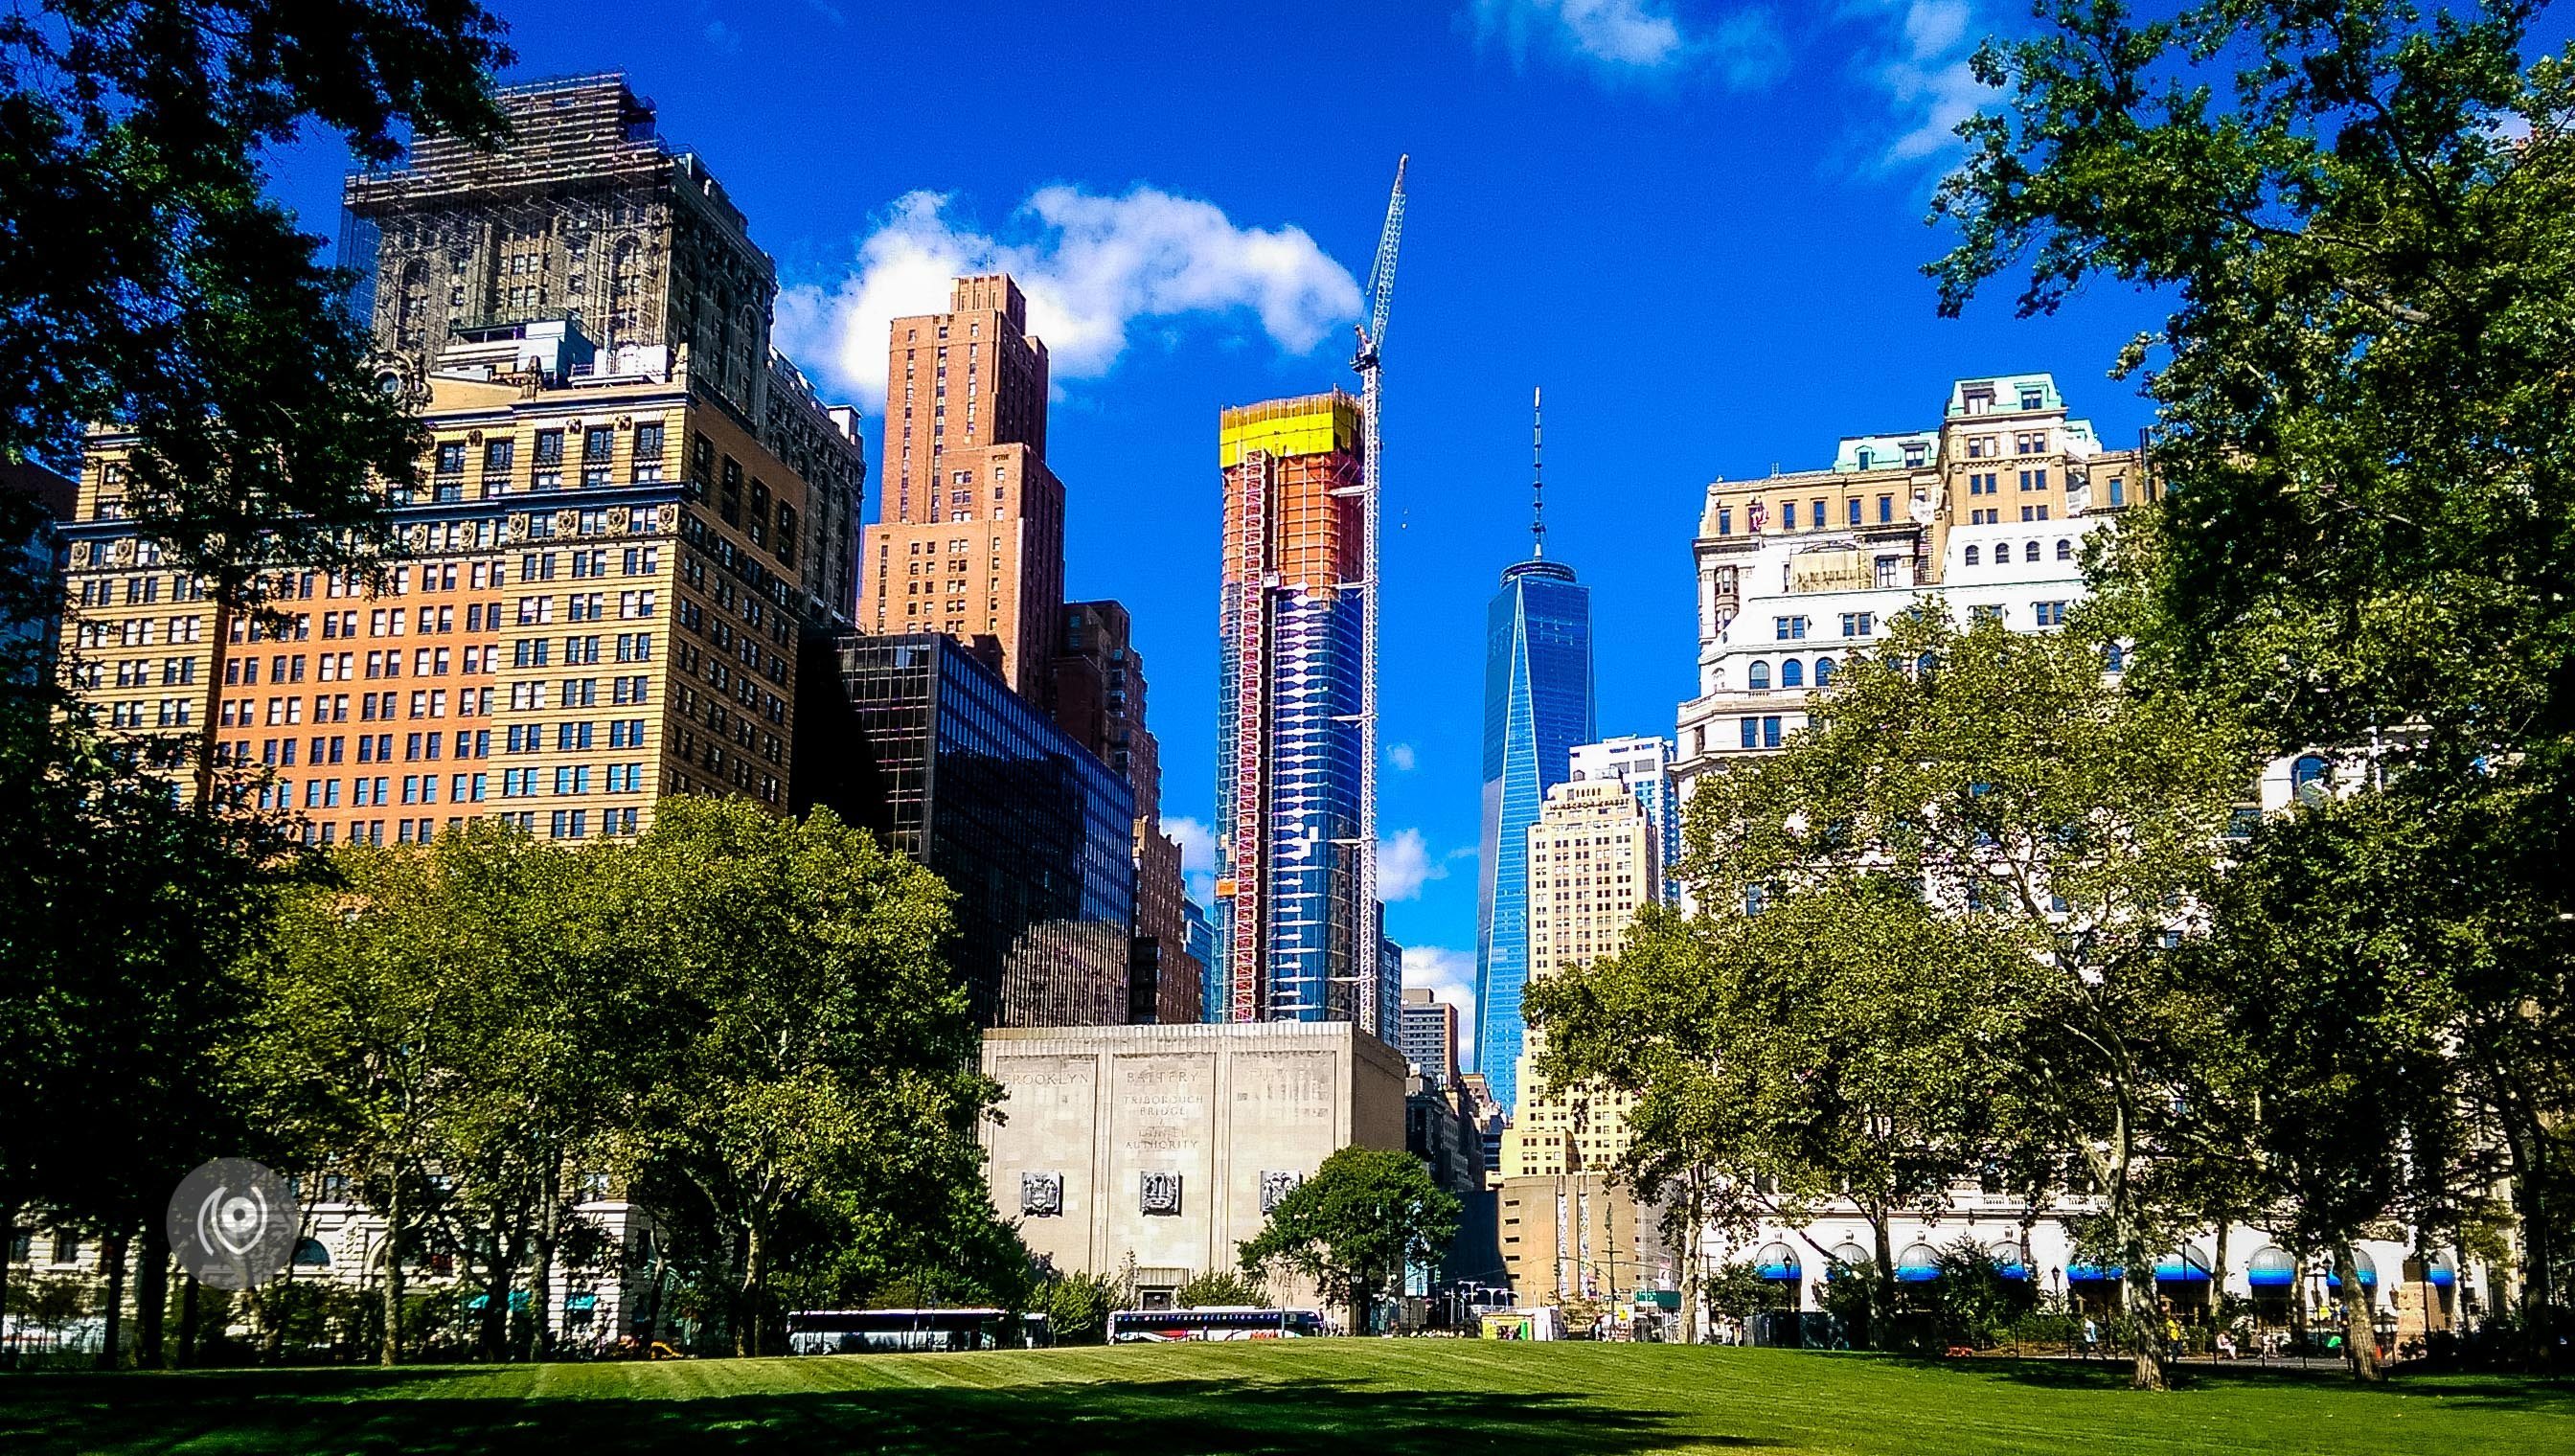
[518, 527]
[1276, 1186]
[617, 518]
[1042, 1195]
[1160, 1193]
[669, 516]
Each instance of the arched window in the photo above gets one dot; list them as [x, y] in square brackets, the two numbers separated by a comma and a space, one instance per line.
[1793, 674]
[310, 1254]
[2307, 778]
[2030, 552]
[1925, 663]
[1823, 671]
[1974, 556]
[2114, 657]
[1757, 675]
[2065, 549]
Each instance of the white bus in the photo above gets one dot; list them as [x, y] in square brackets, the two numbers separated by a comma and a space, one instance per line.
[1215, 1322]
[860, 1331]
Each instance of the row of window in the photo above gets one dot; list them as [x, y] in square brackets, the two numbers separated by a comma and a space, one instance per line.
[2029, 551]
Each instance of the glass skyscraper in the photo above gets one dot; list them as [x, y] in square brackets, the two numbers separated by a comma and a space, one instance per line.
[1537, 705]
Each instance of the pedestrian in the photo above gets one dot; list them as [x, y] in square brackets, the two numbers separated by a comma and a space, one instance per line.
[2091, 1337]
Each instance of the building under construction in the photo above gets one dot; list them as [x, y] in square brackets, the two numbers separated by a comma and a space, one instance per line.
[585, 216]
[1297, 925]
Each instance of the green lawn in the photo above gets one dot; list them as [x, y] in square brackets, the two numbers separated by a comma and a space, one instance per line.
[1314, 1398]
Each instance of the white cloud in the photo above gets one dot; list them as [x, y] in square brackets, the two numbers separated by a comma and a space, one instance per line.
[1403, 865]
[1450, 976]
[1402, 756]
[1092, 266]
[1198, 856]
[1637, 39]
[1925, 73]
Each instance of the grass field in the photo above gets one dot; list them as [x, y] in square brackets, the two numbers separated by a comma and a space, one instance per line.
[1314, 1398]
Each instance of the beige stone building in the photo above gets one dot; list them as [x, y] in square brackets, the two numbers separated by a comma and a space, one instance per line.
[970, 537]
[1164, 1146]
[1593, 861]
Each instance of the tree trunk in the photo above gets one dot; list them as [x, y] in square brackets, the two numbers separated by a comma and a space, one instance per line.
[2145, 1325]
[754, 1276]
[188, 1318]
[152, 1294]
[653, 1303]
[542, 1277]
[111, 1342]
[2359, 1332]
[8, 1247]
[492, 1330]
[1881, 1285]
[392, 1352]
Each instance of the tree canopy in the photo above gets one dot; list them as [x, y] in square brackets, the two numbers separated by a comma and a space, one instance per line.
[1365, 1218]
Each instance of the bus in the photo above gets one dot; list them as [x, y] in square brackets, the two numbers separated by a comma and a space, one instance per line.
[1215, 1322]
[864, 1331]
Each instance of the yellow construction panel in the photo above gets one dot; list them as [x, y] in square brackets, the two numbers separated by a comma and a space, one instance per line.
[1311, 425]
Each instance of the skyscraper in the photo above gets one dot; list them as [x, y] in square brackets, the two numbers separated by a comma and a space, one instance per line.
[969, 537]
[1537, 705]
[1644, 764]
[587, 218]
[1099, 701]
[1296, 929]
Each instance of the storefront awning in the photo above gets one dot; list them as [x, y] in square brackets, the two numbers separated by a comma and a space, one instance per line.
[1920, 1263]
[2272, 1270]
[1776, 1262]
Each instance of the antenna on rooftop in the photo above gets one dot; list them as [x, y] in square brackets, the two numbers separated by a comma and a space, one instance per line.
[1537, 473]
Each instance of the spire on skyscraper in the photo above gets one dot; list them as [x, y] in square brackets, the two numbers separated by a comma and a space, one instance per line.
[1537, 473]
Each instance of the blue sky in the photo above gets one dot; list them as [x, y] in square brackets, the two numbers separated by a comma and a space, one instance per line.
[1698, 223]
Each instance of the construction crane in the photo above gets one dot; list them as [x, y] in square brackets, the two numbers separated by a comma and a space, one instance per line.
[1371, 343]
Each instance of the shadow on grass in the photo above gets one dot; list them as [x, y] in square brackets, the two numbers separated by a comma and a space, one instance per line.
[2498, 1391]
[315, 1411]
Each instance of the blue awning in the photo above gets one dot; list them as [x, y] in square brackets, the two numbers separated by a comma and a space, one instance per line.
[2272, 1270]
[1919, 1264]
[1776, 1262]
[518, 1302]
[580, 1301]
[2368, 1271]
[2009, 1261]
[2184, 1265]
[1846, 1255]
[2094, 1273]
[2440, 1273]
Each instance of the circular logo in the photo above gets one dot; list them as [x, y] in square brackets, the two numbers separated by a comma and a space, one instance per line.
[234, 1224]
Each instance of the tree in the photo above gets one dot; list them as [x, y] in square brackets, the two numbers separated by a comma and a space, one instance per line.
[162, 291]
[2366, 435]
[1222, 1287]
[813, 1078]
[1077, 1306]
[1363, 1218]
[2065, 830]
[1837, 1046]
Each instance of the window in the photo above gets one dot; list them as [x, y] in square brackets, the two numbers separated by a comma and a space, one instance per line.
[1824, 671]
[1855, 510]
[2310, 779]
[2066, 550]
[1793, 674]
[1859, 623]
[2029, 551]
[2049, 614]
[2114, 657]
[1787, 514]
[1886, 504]
[1752, 732]
[1770, 732]
[1788, 629]
[1973, 555]
[1757, 675]
[1984, 612]
[2118, 491]
[498, 455]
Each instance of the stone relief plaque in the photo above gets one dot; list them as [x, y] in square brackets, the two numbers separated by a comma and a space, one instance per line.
[1159, 1194]
[1042, 1195]
[1276, 1186]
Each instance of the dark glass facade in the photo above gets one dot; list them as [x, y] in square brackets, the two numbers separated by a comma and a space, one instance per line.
[1030, 829]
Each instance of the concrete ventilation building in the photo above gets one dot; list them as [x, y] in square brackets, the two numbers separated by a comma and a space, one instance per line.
[1160, 1149]
[1099, 701]
[1537, 705]
[1030, 829]
[586, 215]
[1798, 572]
[1298, 931]
[969, 537]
